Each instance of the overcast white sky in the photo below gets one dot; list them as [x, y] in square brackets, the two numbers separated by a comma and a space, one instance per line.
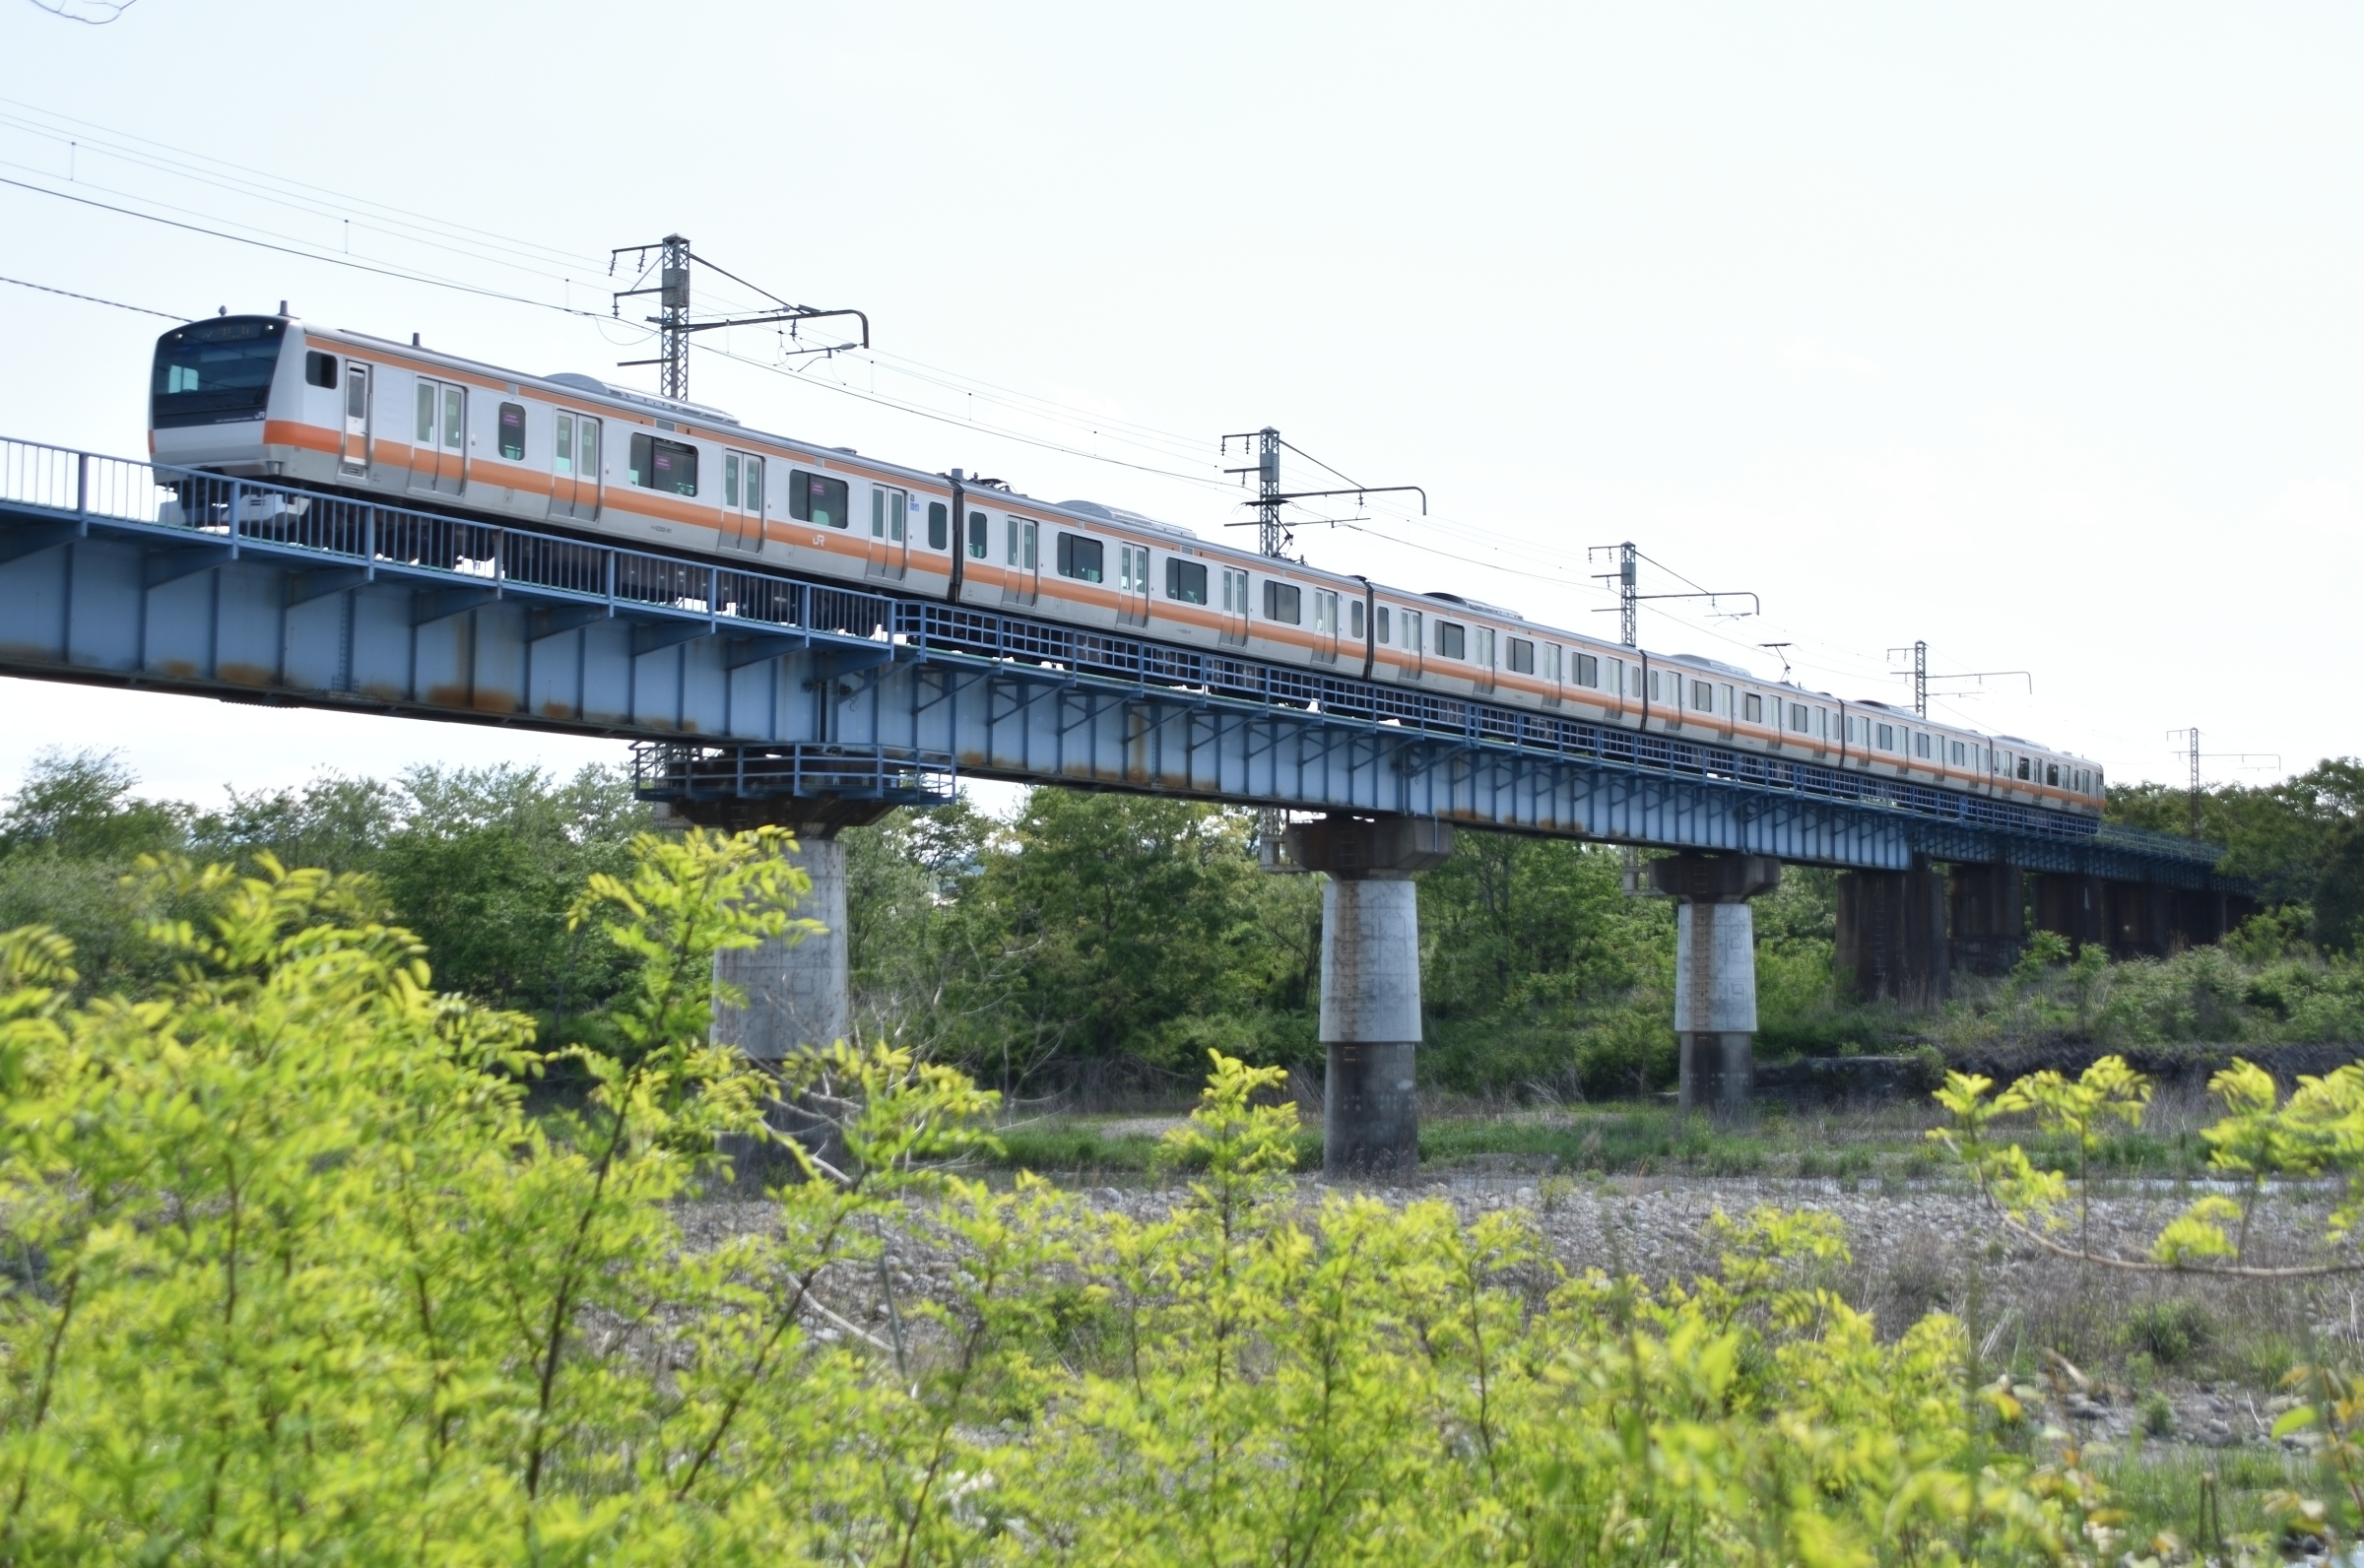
[2031, 331]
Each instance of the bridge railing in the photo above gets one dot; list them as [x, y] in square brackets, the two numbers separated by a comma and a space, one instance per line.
[83, 486]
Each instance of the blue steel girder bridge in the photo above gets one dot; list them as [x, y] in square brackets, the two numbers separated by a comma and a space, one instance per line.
[752, 694]
[742, 683]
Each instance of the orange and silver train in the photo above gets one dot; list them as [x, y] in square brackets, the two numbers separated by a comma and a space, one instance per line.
[271, 397]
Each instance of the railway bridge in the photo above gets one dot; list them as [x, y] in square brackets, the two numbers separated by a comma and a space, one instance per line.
[754, 697]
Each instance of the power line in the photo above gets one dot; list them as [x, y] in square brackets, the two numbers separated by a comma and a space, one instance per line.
[307, 255]
[95, 300]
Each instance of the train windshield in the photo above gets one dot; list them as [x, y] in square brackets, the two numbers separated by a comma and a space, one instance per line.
[214, 371]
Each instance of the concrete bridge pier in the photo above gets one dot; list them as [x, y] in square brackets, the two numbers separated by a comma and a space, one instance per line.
[1715, 975]
[1988, 910]
[1891, 938]
[1370, 984]
[798, 994]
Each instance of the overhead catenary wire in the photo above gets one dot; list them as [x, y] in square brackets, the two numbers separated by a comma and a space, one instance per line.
[145, 311]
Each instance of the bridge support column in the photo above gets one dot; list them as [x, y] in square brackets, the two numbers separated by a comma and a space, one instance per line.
[1371, 1023]
[1714, 976]
[2074, 906]
[799, 995]
[1989, 918]
[1892, 940]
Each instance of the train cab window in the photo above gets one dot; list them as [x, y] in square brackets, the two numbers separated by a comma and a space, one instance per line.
[1522, 656]
[320, 370]
[811, 498]
[1588, 670]
[1383, 619]
[1452, 640]
[512, 431]
[1079, 557]
[1186, 580]
[1284, 602]
[939, 522]
[660, 465]
[1752, 708]
[1354, 620]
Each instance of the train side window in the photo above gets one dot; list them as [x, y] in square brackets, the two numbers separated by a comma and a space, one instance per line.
[2023, 767]
[512, 431]
[1452, 639]
[2052, 774]
[1079, 557]
[1522, 656]
[976, 536]
[660, 465]
[1798, 718]
[1383, 619]
[940, 521]
[1703, 696]
[811, 497]
[1284, 602]
[1588, 670]
[1957, 752]
[1186, 580]
[320, 370]
[1921, 744]
[1355, 616]
[1752, 708]
[561, 445]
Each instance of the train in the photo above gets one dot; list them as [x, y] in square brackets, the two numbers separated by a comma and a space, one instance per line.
[272, 397]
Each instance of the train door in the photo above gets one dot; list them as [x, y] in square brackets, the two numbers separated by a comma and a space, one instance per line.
[439, 450]
[1325, 626]
[1482, 654]
[574, 484]
[889, 533]
[1021, 578]
[1233, 628]
[1413, 638]
[742, 500]
[1133, 585]
[353, 457]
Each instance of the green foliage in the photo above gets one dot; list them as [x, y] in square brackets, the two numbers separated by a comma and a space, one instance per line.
[2279, 834]
[293, 1278]
[2173, 1330]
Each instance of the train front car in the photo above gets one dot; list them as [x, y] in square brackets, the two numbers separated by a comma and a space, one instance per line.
[213, 390]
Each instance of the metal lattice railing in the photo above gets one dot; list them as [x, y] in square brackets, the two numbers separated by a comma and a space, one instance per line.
[87, 486]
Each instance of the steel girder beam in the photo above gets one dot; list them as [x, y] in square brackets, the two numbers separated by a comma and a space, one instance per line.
[120, 602]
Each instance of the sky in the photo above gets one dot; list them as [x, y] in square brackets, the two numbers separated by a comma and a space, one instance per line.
[2028, 331]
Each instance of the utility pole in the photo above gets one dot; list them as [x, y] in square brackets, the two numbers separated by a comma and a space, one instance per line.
[2194, 754]
[1272, 537]
[1627, 577]
[1922, 677]
[1629, 629]
[673, 323]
